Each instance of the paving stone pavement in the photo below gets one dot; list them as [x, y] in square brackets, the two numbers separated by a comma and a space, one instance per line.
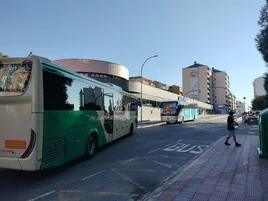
[223, 173]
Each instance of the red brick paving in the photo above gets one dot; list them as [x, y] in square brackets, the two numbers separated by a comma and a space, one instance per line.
[224, 173]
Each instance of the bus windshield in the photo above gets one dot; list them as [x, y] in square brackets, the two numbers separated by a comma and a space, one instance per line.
[14, 77]
[169, 108]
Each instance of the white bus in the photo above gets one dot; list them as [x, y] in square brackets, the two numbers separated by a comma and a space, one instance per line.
[178, 111]
[50, 115]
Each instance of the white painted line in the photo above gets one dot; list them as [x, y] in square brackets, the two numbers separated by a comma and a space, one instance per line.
[132, 159]
[253, 128]
[165, 165]
[85, 178]
[251, 132]
[153, 151]
[169, 144]
[42, 196]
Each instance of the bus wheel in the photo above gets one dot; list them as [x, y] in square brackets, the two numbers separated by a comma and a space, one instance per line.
[131, 129]
[91, 146]
[194, 118]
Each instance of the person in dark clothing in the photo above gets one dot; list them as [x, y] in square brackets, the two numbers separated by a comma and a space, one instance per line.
[231, 128]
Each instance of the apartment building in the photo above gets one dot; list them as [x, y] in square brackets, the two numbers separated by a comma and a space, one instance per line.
[258, 87]
[213, 86]
[233, 102]
[196, 82]
[221, 87]
[221, 95]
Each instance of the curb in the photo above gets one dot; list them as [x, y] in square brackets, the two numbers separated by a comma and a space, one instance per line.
[211, 117]
[161, 123]
[151, 125]
[176, 175]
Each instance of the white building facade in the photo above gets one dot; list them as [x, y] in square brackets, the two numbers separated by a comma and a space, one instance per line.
[258, 87]
[152, 97]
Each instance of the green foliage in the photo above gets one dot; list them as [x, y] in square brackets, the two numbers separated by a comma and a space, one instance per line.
[265, 85]
[262, 38]
[260, 102]
[1, 55]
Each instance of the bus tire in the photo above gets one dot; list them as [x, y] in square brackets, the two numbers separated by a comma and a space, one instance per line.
[92, 145]
[194, 118]
[131, 129]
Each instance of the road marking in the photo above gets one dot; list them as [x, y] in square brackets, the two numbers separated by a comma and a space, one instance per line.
[251, 132]
[42, 196]
[132, 159]
[174, 147]
[85, 178]
[168, 144]
[152, 151]
[201, 148]
[184, 148]
[253, 128]
[165, 165]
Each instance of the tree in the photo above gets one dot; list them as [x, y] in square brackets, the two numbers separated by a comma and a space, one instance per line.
[265, 85]
[262, 38]
[260, 102]
[1, 55]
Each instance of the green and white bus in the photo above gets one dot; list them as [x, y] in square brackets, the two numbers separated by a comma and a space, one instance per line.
[50, 115]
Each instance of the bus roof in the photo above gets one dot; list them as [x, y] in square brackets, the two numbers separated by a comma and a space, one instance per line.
[108, 85]
[180, 102]
[60, 68]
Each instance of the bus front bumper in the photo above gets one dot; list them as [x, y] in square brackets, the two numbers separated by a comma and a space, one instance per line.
[169, 118]
[10, 163]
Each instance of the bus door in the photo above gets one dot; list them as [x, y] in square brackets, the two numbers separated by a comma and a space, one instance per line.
[134, 112]
[109, 116]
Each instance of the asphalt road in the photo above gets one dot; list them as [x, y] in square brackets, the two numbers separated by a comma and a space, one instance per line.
[125, 170]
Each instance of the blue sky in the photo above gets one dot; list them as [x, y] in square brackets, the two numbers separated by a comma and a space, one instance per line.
[219, 34]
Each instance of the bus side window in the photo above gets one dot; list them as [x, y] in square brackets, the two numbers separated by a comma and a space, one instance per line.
[91, 98]
[118, 106]
[55, 91]
[126, 102]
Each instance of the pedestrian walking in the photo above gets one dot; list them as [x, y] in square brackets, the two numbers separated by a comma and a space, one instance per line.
[231, 129]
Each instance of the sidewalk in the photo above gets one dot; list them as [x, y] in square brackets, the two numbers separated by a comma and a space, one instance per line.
[223, 173]
[148, 123]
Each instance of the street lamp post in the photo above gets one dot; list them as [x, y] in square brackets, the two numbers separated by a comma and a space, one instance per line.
[142, 79]
[189, 92]
[244, 104]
